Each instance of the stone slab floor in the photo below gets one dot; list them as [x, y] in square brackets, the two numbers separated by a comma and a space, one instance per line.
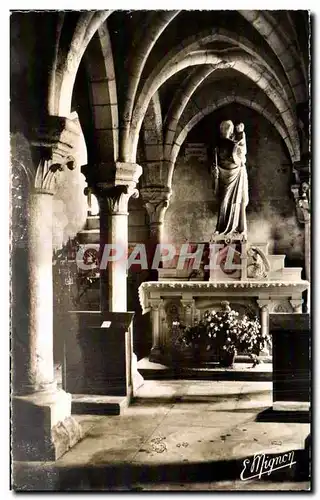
[178, 435]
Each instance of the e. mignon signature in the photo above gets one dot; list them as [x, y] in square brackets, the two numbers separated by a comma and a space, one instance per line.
[261, 464]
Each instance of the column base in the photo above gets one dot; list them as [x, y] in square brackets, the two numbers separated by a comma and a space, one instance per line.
[42, 426]
[137, 378]
[156, 355]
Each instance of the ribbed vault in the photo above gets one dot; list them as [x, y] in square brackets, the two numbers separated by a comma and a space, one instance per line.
[129, 98]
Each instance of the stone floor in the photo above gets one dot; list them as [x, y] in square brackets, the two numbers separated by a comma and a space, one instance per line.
[178, 435]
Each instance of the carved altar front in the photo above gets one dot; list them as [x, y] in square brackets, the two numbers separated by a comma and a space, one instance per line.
[174, 300]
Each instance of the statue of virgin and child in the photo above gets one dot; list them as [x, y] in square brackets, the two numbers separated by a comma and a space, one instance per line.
[231, 181]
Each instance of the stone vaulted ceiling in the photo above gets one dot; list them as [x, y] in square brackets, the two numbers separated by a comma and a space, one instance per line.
[150, 76]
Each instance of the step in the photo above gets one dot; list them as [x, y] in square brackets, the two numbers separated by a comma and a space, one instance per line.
[91, 404]
[286, 274]
[93, 222]
[207, 371]
[89, 236]
[276, 262]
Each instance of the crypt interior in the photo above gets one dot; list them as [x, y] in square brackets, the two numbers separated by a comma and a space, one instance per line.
[114, 121]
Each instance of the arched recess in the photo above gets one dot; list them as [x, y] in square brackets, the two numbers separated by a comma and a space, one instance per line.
[68, 53]
[241, 64]
[99, 65]
[161, 20]
[209, 109]
[216, 91]
[153, 131]
[282, 46]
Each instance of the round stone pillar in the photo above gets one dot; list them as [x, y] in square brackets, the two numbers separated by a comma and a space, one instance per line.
[40, 367]
[264, 315]
[156, 350]
[113, 185]
[114, 248]
[42, 426]
[156, 200]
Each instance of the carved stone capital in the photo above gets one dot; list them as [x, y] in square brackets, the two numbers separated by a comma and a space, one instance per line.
[113, 184]
[156, 200]
[296, 305]
[155, 304]
[264, 304]
[114, 200]
[55, 146]
[187, 303]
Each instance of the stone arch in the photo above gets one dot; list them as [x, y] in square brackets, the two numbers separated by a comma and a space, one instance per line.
[142, 51]
[101, 74]
[209, 109]
[282, 46]
[179, 103]
[203, 97]
[241, 64]
[195, 42]
[185, 94]
[67, 58]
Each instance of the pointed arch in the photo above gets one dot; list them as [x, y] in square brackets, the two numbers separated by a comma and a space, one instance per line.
[243, 64]
[67, 57]
[214, 106]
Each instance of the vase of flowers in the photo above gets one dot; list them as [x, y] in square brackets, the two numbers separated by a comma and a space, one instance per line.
[227, 358]
[225, 333]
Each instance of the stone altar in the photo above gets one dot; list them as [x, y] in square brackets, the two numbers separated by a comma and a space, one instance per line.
[262, 286]
[231, 266]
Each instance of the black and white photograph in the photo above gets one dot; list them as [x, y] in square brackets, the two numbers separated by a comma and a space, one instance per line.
[160, 249]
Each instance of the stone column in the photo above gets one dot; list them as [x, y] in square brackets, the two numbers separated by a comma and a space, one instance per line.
[113, 203]
[43, 428]
[264, 315]
[188, 305]
[156, 350]
[40, 368]
[156, 200]
[113, 185]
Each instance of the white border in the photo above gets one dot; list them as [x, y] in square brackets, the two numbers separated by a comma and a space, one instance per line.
[5, 161]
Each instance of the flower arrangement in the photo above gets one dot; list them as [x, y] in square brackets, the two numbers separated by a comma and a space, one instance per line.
[225, 332]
